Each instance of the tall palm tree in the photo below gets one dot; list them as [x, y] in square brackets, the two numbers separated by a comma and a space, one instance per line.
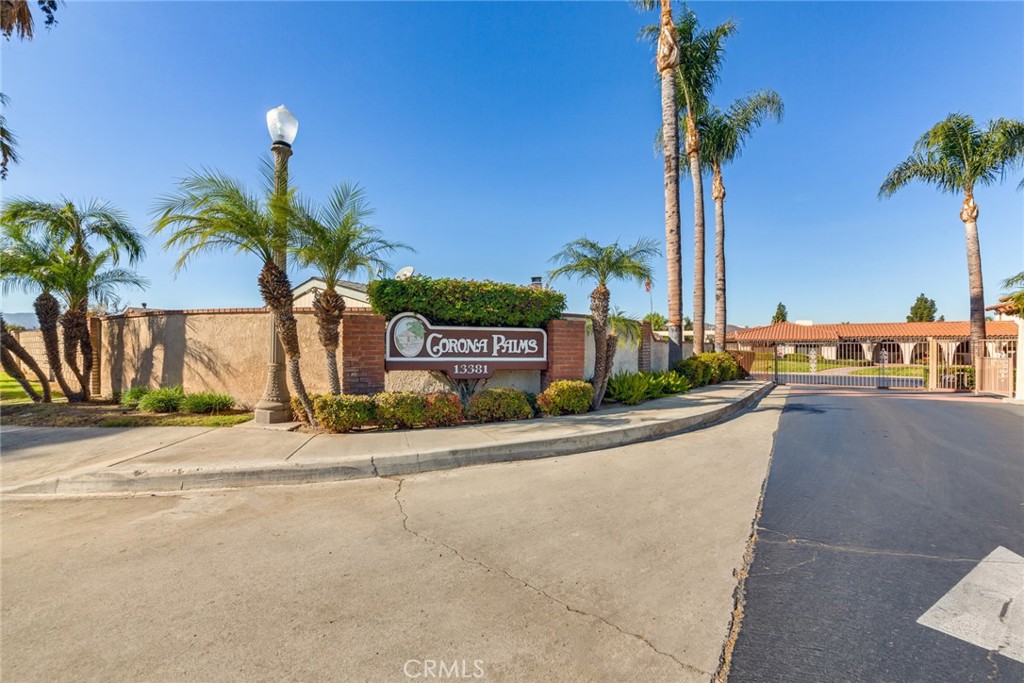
[957, 156]
[210, 212]
[336, 241]
[77, 229]
[10, 348]
[585, 259]
[8, 141]
[26, 263]
[701, 55]
[668, 62]
[723, 135]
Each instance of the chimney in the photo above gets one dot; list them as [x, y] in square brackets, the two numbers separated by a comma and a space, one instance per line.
[537, 282]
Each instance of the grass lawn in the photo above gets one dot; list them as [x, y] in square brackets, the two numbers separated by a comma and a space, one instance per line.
[12, 393]
[17, 409]
[785, 365]
[898, 371]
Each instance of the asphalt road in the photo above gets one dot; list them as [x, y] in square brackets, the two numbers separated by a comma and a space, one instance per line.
[877, 505]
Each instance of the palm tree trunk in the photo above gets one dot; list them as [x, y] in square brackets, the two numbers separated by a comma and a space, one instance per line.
[328, 307]
[48, 313]
[85, 344]
[611, 346]
[693, 154]
[13, 347]
[276, 291]
[11, 368]
[718, 194]
[599, 300]
[332, 370]
[969, 215]
[668, 60]
[69, 333]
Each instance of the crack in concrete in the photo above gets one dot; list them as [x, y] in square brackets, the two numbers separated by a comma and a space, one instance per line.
[787, 570]
[793, 540]
[990, 656]
[373, 464]
[1005, 609]
[527, 584]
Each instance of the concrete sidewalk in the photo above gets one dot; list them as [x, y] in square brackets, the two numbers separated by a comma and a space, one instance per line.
[149, 459]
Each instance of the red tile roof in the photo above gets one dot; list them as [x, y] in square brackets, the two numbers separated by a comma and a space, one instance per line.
[791, 332]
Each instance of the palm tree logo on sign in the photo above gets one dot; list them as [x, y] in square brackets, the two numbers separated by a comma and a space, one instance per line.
[409, 334]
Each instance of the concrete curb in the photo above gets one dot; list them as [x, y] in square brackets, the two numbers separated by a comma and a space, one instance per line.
[358, 467]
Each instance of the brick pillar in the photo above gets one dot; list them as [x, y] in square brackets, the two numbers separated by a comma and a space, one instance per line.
[643, 354]
[566, 338]
[362, 353]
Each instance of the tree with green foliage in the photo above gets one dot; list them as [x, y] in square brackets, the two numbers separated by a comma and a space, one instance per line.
[211, 212]
[923, 310]
[723, 134]
[585, 259]
[657, 321]
[51, 247]
[336, 241]
[1014, 299]
[957, 156]
[781, 314]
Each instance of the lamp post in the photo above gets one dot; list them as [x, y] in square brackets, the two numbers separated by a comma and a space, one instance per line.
[274, 406]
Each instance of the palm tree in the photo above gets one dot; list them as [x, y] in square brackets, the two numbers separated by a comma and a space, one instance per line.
[210, 212]
[668, 63]
[336, 241]
[75, 228]
[723, 135]
[27, 264]
[956, 156]
[11, 347]
[1014, 286]
[701, 54]
[585, 259]
[8, 141]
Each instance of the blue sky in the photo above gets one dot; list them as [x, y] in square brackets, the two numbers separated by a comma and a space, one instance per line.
[489, 134]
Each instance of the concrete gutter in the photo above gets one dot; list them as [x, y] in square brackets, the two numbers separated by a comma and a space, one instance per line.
[567, 435]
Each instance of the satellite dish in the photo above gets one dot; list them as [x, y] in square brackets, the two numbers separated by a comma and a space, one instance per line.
[405, 273]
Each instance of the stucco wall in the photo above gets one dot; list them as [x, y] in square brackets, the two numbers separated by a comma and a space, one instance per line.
[626, 356]
[215, 351]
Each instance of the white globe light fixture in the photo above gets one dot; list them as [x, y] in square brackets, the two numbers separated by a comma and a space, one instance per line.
[283, 126]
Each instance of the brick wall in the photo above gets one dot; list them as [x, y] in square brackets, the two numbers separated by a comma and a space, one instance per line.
[566, 351]
[643, 361]
[362, 353]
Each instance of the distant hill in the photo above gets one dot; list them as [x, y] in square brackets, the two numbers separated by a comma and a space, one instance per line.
[26, 320]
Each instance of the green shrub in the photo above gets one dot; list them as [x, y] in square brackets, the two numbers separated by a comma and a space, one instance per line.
[162, 400]
[130, 398]
[673, 383]
[206, 402]
[298, 412]
[724, 367]
[628, 388]
[400, 409]
[443, 409]
[695, 370]
[499, 405]
[959, 377]
[566, 397]
[344, 412]
[446, 301]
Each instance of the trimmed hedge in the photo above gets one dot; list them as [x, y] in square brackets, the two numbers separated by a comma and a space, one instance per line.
[443, 409]
[500, 404]
[566, 397]
[403, 409]
[344, 412]
[710, 368]
[447, 301]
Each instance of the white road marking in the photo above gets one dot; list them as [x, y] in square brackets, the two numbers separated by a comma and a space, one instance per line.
[987, 607]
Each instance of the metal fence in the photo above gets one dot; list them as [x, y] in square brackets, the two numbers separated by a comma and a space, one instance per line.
[924, 364]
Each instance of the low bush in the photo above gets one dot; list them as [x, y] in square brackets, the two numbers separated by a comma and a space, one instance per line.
[566, 397]
[958, 377]
[130, 398]
[443, 409]
[298, 412]
[710, 368]
[630, 388]
[206, 402]
[403, 409]
[344, 412]
[670, 383]
[500, 404]
[162, 400]
[695, 370]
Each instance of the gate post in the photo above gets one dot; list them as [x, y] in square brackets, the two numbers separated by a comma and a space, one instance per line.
[933, 364]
